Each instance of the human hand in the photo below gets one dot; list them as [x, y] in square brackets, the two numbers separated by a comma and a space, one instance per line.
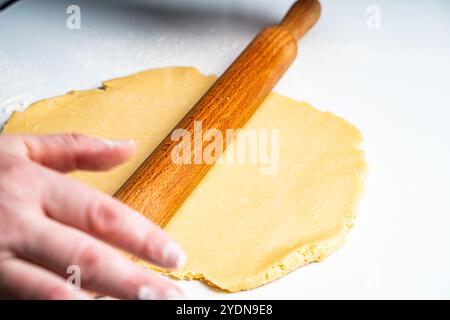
[49, 222]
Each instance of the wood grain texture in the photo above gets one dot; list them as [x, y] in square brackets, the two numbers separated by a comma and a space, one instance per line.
[160, 186]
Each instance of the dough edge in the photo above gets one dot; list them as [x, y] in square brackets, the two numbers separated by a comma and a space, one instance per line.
[299, 257]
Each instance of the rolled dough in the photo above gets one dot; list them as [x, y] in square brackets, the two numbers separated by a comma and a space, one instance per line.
[239, 228]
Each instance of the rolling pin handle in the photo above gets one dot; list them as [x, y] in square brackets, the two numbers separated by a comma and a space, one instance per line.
[301, 17]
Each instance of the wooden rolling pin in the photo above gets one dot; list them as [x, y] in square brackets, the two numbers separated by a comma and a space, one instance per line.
[160, 186]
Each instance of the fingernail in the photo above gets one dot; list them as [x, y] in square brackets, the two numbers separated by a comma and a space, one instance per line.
[173, 255]
[117, 143]
[148, 293]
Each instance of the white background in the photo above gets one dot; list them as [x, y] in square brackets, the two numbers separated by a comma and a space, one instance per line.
[392, 83]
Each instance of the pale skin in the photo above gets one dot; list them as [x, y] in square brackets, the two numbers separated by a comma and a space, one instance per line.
[49, 222]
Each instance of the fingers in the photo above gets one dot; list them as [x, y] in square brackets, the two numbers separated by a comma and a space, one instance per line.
[102, 269]
[67, 152]
[89, 210]
[22, 280]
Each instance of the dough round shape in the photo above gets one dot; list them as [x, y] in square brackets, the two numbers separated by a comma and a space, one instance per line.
[240, 228]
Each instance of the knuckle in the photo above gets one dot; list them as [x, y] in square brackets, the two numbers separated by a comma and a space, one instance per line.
[134, 280]
[148, 248]
[89, 260]
[9, 234]
[104, 219]
[18, 175]
[13, 166]
[13, 146]
[8, 139]
[14, 226]
[58, 292]
[74, 138]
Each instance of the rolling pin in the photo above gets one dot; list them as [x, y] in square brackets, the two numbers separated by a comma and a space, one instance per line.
[160, 186]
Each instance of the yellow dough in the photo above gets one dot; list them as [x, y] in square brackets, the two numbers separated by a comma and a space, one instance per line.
[239, 228]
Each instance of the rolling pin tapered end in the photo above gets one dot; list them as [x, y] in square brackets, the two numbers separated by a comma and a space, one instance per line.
[301, 17]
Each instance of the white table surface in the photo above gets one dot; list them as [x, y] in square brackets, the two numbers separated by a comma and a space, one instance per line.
[392, 83]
